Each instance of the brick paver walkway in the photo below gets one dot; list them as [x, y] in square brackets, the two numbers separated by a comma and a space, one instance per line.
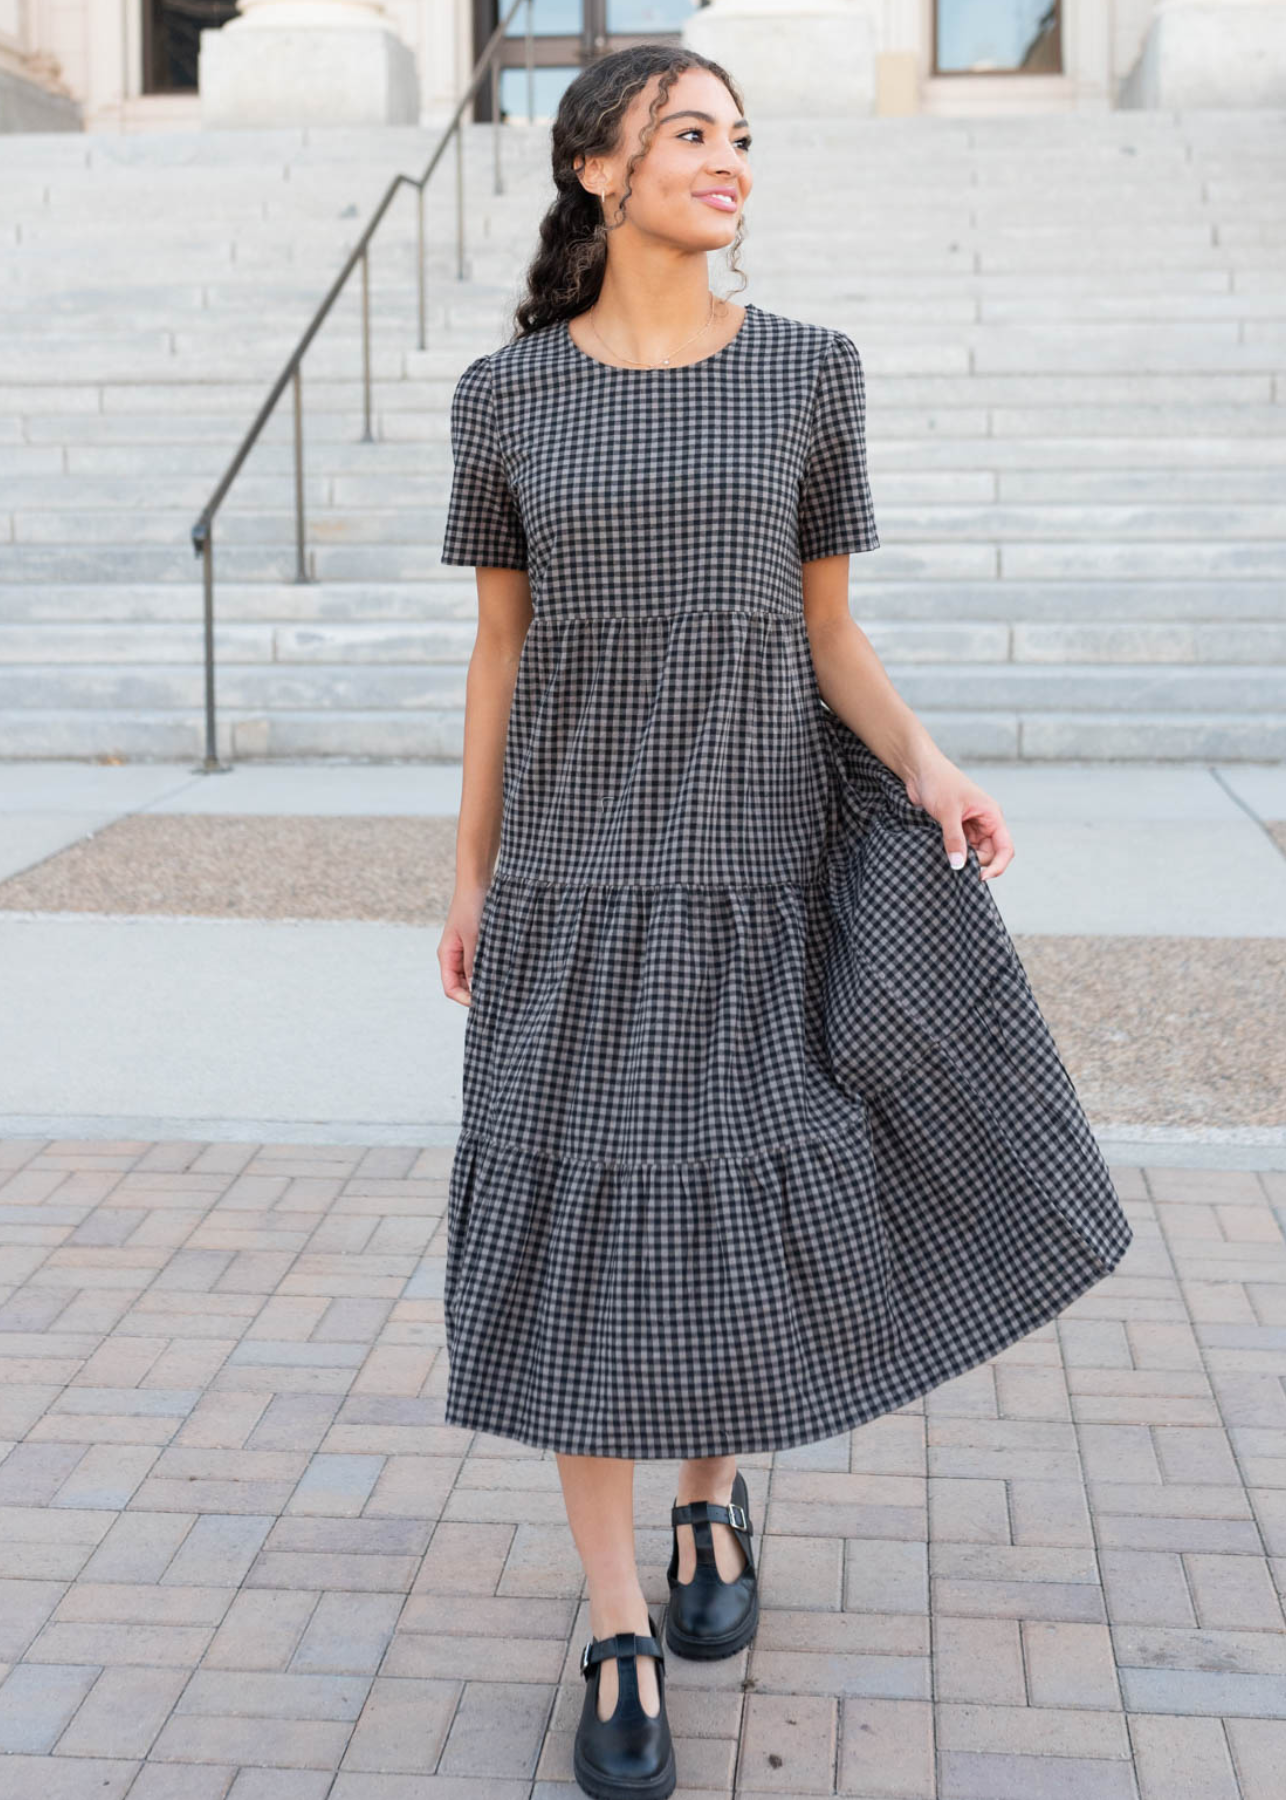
[240, 1555]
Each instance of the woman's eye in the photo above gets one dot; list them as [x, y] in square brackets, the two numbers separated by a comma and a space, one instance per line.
[743, 143]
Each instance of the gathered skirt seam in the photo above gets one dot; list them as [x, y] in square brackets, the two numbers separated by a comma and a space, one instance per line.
[818, 878]
[546, 616]
[814, 1141]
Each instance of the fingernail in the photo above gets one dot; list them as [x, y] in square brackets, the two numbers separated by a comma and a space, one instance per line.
[957, 859]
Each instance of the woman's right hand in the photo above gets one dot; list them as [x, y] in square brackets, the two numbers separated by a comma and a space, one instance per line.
[458, 942]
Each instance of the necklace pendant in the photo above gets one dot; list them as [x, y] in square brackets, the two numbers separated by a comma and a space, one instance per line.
[665, 362]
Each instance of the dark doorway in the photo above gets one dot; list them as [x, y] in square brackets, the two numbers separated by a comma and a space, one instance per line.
[567, 34]
[172, 39]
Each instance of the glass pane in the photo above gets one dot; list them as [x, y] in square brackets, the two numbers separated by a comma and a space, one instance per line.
[648, 15]
[548, 85]
[981, 35]
[549, 18]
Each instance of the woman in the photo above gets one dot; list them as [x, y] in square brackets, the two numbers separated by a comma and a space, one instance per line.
[764, 1134]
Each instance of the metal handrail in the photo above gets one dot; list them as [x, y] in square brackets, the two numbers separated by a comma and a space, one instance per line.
[203, 530]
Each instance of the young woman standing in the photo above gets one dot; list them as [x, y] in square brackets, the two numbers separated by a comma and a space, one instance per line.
[764, 1134]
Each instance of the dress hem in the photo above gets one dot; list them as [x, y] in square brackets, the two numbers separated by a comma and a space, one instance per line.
[897, 1394]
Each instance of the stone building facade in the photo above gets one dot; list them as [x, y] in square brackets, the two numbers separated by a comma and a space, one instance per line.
[127, 64]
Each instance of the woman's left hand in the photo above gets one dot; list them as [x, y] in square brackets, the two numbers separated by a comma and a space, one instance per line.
[966, 813]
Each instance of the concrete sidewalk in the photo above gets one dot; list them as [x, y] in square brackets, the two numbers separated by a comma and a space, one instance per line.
[143, 999]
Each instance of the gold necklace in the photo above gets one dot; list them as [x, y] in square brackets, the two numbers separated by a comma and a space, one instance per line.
[665, 360]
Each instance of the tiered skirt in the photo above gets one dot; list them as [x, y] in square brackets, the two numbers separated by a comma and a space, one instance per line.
[742, 1167]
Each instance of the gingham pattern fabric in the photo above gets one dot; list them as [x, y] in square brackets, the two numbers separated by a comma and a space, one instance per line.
[763, 1131]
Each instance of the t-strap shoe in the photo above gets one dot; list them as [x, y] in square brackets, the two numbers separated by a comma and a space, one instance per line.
[629, 1756]
[709, 1617]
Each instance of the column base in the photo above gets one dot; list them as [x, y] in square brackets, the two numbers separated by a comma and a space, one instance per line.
[27, 104]
[805, 58]
[1217, 53]
[327, 75]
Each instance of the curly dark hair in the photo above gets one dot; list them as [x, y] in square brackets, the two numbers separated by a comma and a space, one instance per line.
[566, 273]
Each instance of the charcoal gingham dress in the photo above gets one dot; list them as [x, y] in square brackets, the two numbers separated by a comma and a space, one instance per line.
[763, 1131]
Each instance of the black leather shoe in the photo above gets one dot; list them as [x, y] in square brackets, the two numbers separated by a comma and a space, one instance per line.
[629, 1756]
[709, 1617]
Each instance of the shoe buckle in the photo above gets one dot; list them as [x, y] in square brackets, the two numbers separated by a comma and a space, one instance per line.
[584, 1656]
[742, 1524]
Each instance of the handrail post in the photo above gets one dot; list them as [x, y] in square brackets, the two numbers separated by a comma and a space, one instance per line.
[211, 765]
[366, 346]
[459, 199]
[419, 260]
[301, 565]
[531, 60]
[497, 179]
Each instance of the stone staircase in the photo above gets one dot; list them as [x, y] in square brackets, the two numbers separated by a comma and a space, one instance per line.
[1074, 333]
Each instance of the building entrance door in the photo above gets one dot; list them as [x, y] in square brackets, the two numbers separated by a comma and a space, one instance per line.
[171, 39]
[567, 34]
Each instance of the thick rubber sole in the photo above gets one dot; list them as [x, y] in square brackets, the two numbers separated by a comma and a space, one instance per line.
[704, 1649]
[602, 1787]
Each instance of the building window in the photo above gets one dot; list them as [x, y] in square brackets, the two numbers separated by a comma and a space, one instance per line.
[997, 37]
[566, 35]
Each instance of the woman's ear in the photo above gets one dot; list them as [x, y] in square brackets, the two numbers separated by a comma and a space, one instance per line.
[594, 178]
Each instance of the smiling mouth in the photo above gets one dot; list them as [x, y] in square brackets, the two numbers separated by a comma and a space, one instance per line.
[721, 202]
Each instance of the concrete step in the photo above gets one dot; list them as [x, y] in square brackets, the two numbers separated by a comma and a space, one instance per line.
[436, 369]
[946, 199]
[343, 487]
[143, 733]
[930, 642]
[989, 346]
[28, 314]
[857, 282]
[949, 559]
[1190, 604]
[1256, 532]
[1090, 687]
[433, 374]
[1073, 331]
[1002, 437]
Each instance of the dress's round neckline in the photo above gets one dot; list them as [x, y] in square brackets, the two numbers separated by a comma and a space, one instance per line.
[661, 368]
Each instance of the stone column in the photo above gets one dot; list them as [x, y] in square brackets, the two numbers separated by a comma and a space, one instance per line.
[1229, 53]
[33, 94]
[308, 62]
[808, 58]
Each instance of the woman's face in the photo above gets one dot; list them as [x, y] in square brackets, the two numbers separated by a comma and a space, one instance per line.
[690, 186]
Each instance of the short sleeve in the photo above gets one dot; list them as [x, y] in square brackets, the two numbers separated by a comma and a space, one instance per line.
[483, 525]
[836, 516]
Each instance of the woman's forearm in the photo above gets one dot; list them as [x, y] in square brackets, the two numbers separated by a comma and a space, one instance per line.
[489, 686]
[855, 684]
